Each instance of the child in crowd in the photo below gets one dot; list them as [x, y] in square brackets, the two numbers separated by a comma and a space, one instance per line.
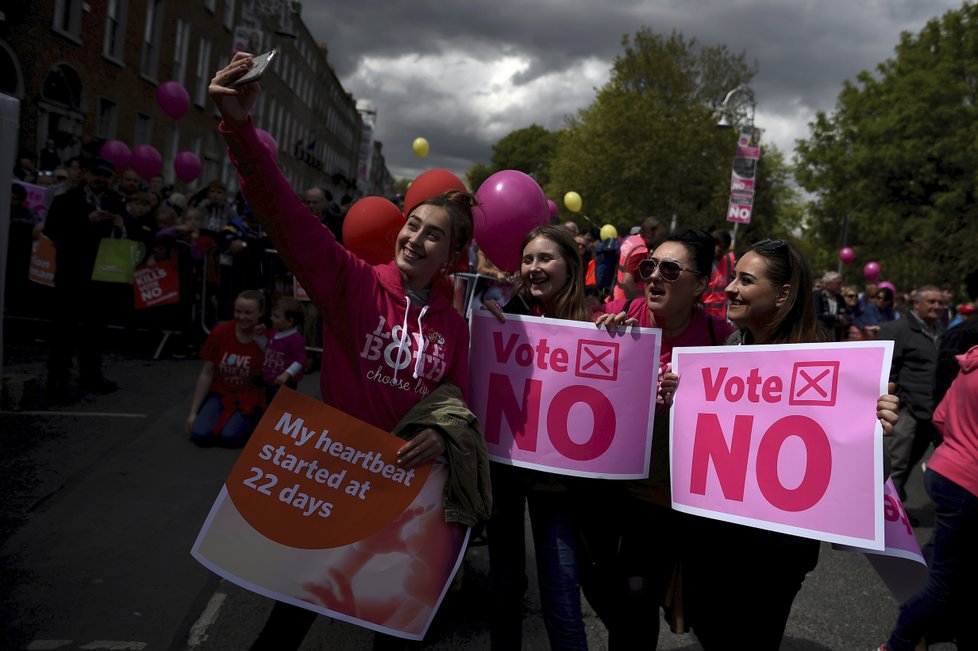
[285, 354]
[228, 399]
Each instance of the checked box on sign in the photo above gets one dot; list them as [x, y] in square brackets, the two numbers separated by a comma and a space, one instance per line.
[814, 383]
[597, 360]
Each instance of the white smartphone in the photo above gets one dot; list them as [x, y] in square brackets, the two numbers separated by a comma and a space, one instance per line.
[260, 64]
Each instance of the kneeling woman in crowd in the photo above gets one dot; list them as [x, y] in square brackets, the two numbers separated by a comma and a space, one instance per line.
[229, 399]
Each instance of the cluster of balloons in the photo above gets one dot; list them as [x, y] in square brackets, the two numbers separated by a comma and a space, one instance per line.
[870, 272]
[145, 160]
[510, 204]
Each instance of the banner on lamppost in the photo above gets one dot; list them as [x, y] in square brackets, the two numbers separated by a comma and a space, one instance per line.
[744, 175]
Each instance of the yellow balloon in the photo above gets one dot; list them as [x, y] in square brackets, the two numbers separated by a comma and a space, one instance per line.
[420, 147]
[608, 232]
[573, 201]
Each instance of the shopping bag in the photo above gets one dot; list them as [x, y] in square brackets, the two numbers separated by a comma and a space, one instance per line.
[116, 259]
[157, 285]
[43, 259]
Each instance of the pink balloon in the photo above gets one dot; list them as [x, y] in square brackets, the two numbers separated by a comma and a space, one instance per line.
[173, 99]
[187, 166]
[847, 255]
[887, 283]
[146, 161]
[871, 271]
[552, 205]
[117, 152]
[511, 205]
[269, 142]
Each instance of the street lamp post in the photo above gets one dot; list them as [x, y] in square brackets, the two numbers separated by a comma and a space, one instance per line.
[737, 110]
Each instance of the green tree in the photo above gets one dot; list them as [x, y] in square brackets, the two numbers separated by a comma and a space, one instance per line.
[898, 157]
[528, 150]
[648, 144]
[476, 174]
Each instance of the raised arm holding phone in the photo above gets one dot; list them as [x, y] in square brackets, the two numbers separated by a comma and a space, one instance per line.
[390, 338]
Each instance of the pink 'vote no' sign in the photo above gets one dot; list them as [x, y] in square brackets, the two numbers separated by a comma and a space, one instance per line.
[783, 438]
[564, 396]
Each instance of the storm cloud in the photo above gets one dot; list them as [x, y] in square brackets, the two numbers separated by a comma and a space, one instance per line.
[465, 74]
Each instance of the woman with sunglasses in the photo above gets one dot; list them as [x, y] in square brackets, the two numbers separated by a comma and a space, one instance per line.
[877, 312]
[551, 284]
[741, 581]
[634, 548]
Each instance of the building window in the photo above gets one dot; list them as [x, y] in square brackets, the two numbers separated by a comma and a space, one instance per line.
[67, 18]
[143, 134]
[150, 59]
[180, 46]
[108, 116]
[115, 29]
[203, 74]
[229, 14]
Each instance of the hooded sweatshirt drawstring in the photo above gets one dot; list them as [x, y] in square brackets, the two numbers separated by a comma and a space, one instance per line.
[417, 363]
[404, 338]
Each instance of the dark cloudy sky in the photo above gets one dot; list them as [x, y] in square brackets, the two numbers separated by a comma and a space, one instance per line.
[464, 74]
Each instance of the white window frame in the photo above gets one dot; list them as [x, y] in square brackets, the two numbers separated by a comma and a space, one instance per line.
[142, 133]
[67, 19]
[181, 46]
[229, 14]
[107, 119]
[149, 58]
[114, 41]
[203, 72]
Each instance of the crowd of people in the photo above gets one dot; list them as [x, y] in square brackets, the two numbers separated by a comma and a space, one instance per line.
[210, 240]
[632, 555]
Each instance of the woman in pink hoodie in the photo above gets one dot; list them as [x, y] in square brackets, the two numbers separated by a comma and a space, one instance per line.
[388, 338]
[951, 480]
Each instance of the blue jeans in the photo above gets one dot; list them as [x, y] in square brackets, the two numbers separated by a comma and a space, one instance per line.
[235, 432]
[953, 578]
[555, 541]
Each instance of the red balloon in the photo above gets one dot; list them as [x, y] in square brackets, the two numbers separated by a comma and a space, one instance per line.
[370, 229]
[117, 152]
[187, 166]
[146, 161]
[430, 184]
[173, 99]
[269, 142]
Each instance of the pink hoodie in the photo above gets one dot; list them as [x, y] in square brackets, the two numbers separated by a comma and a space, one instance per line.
[381, 355]
[957, 419]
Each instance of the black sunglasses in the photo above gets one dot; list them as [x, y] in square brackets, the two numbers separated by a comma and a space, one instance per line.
[669, 270]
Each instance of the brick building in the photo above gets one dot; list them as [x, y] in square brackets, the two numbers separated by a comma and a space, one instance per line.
[87, 72]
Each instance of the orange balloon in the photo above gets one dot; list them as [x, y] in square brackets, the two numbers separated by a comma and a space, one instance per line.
[370, 229]
[430, 184]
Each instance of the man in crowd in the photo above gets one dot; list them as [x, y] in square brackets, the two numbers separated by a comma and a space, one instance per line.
[634, 249]
[129, 184]
[78, 221]
[915, 347]
[328, 214]
[830, 307]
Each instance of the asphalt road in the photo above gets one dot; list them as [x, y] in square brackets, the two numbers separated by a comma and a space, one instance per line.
[101, 499]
